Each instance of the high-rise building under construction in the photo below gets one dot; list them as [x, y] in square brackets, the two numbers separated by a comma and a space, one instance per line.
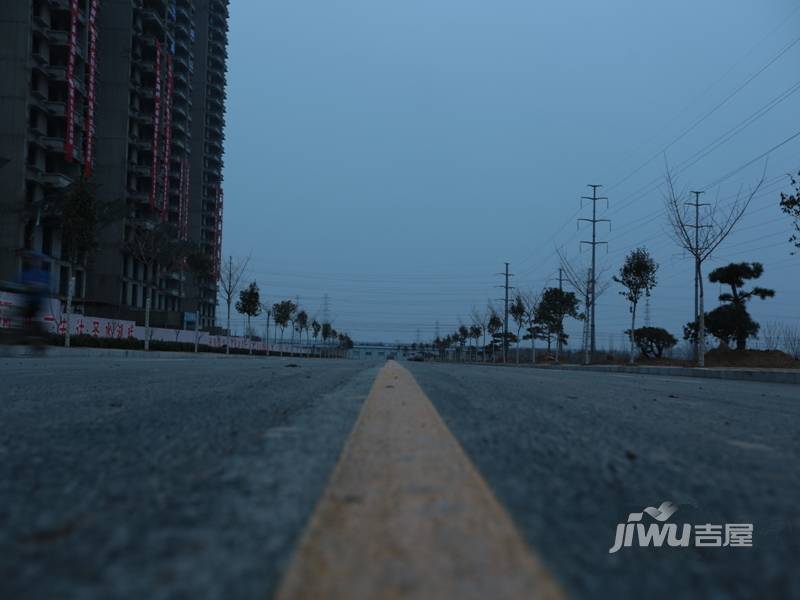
[129, 94]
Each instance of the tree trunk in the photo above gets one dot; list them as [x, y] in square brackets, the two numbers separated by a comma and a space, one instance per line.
[483, 350]
[558, 344]
[228, 342]
[196, 328]
[701, 319]
[70, 292]
[741, 337]
[633, 328]
[533, 345]
[147, 322]
[266, 338]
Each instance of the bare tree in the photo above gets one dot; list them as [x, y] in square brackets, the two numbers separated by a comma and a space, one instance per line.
[230, 276]
[791, 340]
[531, 301]
[702, 240]
[480, 319]
[156, 247]
[518, 312]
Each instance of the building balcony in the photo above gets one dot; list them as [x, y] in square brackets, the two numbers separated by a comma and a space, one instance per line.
[138, 195]
[177, 108]
[185, 29]
[53, 144]
[216, 87]
[215, 104]
[58, 4]
[214, 147]
[183, 12]
[139, 170]
[181, 80]
[142, 144]
[179, 126]
[214, 125]
[179, 94]
[144, 65]
[58, 37]
[56, 108]
[148, 40]
[57, 72]
[39, 61]
[40, 102]
[39, 95]
[35, 134]
[180, 60]
[34, 173]
[216, 62]
[179, 144]
[145, 119]
[219, 47]
[56, 180]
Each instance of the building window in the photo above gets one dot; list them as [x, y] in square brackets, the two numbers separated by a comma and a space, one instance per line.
[79, 284]
[63, 281]
[27, 241]
[47, 240]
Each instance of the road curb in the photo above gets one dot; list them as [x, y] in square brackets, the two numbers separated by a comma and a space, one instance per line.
[757, 375]
[791, 376]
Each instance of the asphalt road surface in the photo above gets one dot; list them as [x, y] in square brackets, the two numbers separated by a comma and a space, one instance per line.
[572, 454]
[164, 478]
[196, 478]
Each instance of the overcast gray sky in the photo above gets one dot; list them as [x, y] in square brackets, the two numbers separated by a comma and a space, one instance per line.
[393, 154]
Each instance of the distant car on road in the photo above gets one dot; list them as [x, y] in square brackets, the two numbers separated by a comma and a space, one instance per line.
[415, 357]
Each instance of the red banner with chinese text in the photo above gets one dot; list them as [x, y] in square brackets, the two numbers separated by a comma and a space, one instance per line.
[69, 114]
[218, 233]
[156, 127]
[91, 91]
[167, 136]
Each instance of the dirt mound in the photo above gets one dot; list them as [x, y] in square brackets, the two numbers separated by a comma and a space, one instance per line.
[757, 359]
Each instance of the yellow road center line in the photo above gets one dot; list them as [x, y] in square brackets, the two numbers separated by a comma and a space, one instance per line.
[407, 515]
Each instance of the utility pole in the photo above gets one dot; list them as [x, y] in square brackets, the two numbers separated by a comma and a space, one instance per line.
[230, 287]
[697, 204]
[593, 280]
[560, 289]
[326, 309]
[266, 331]
[587, 359]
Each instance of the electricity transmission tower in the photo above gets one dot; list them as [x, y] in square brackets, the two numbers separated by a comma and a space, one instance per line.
[506, 274]
[591, 313]
[326, 311]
